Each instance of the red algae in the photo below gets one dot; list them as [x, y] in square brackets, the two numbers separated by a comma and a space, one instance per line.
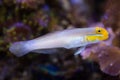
[109, 59]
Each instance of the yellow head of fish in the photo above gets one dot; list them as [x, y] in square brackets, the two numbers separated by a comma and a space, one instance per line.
[100, 35]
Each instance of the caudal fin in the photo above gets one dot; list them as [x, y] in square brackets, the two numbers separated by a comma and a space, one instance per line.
[19, 49]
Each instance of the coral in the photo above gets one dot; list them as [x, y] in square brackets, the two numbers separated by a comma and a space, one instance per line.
[112, 14]
[23, 30]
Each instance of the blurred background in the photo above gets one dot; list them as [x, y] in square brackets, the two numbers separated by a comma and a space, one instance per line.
[29, 19]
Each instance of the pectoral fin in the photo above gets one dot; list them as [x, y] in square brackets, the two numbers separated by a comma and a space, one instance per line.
[80, 50]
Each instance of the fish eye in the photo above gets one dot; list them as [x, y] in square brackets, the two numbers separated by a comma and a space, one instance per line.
[99, 30]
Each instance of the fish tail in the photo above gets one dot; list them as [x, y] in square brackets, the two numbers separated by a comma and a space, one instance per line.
[19, 49]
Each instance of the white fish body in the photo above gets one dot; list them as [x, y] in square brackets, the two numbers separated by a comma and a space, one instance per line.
[70, 38]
